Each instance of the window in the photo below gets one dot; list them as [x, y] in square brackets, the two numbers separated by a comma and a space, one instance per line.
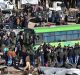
[75, 36]
[46, 34]
[75, 31]
[63, 37]
[69, 32]
[52, 33]
[69, 37]
[60, 33]
[58, 38]
[63, 32]
[78, 31]
[57, 33]
[48, 37]
[79, 35]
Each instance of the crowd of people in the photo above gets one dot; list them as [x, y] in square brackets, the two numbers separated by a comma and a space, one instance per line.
[15, 52]
[14, 22]
[58, 56]
[38, 14]
[14, 49]
[17, 55]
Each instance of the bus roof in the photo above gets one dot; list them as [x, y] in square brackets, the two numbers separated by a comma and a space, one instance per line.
[57, 28]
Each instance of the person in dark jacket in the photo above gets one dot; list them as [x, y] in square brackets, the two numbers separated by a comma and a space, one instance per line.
[78, 64]
[57, 19]
[23, 55]
[26, 21]
[66, 19]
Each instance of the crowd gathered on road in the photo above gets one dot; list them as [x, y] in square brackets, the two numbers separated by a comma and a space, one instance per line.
[15, 52]
[37, 14]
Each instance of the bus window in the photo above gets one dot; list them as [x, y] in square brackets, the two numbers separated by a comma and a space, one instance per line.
[69, 32]
[63, 37]
[60, 33]
[63, 33]
[57, 33]
[52, 34]
[58, 38]
[46, 34]
[75, 31]
[48, 39]
[69, 37]
[75, 36]
[79, 35]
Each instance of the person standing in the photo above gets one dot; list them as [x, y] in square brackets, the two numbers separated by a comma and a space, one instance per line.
[26, 21]
[57, 19]
[13, 58]
[9, 54]
[66, 19]
[23, 55]
[27, 67]
[5, 54]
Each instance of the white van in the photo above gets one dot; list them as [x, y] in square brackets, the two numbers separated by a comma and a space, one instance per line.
[57, 6]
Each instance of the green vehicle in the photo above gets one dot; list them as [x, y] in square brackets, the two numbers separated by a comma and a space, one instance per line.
[66, 35]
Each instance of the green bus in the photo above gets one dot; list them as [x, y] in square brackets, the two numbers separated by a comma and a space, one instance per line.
[66, 35]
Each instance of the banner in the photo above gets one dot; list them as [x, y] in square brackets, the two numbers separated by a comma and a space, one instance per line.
[29, 1]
